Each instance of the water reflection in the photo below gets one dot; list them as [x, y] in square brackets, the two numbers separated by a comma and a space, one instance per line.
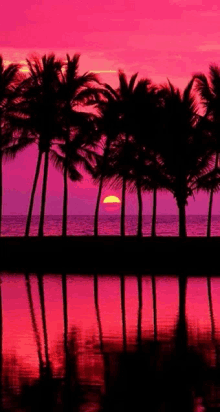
[101, 343]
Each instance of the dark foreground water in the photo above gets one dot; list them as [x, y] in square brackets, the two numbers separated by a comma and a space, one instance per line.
[133, 344]
[110, 225]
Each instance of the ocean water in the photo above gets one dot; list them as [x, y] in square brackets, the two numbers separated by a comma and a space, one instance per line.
[167, 225]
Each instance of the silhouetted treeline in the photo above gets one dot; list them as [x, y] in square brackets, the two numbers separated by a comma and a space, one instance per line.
[139, 137]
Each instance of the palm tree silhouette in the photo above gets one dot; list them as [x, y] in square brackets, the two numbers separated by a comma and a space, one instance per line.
[80, 152]
[34, 322]
[109, 127]
[185, 153]
[11, 138]
[130, 152]
[145, 129]
[40, 94]
[210, 98]
[75, 90]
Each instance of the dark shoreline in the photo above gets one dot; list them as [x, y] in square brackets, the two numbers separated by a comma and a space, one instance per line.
[193, 256]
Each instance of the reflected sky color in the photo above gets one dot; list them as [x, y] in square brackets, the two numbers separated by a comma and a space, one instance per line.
[18, 337]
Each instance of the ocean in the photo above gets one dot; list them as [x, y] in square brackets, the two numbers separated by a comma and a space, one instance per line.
[167, 225]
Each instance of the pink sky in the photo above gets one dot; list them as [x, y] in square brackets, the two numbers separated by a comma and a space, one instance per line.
[163, 39]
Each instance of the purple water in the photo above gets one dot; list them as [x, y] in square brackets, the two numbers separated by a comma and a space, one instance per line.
[167, 225]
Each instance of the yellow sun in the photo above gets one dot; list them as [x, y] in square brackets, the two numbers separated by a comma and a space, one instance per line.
[111, 199]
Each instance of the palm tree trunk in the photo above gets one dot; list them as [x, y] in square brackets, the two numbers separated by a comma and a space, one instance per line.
[97, 207]
[140, 209]
[65, 200]
[37, 172]
[34, 323]
[96, 217]
[209, 221]
[182, 220]
[140, 304]
[123, 207]
[154, 214]
[43, 198]
[154, 295]
[123, 313]
[43, 315]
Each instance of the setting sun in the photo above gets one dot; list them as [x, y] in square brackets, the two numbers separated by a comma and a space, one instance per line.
[111, 199]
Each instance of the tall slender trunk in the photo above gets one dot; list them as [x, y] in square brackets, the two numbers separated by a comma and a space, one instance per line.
[43, 198]
[123, 313]
[43, 315]
[140, 209]
[154, 213]
[65, 199]
[1, 347]
[1, 191]
[209, 221]
[96, 217]
[34, 323]
[30, 210]
[154, 294]
[140, 304]
[123, 207]
[182, 220]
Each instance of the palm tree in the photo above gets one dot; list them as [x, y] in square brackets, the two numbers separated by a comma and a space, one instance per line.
[185, 152]
[146, 111]
[109, 127]
[129, 144]
[75, 90]
[11, 140]
[80, 153]
[40, 104]
[209, 91]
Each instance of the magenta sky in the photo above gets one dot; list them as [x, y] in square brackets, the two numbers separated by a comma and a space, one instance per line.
[163, 39]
